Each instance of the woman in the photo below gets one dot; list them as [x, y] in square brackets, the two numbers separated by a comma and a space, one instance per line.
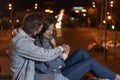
[76, 65]
[50, 69]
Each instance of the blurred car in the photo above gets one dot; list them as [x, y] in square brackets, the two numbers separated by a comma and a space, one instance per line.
[95, 47]
[112, 44]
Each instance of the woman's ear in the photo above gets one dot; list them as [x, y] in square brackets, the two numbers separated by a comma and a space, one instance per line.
[35, 33]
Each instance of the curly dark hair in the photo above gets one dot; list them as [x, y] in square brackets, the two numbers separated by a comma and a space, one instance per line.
[32, 22]
[47, 22]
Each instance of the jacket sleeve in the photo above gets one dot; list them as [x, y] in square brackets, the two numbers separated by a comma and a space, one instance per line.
[28, 49]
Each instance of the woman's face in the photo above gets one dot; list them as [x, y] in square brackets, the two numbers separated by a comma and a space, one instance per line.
[49, 32]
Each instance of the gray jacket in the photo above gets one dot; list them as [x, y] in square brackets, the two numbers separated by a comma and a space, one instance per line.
[24, 54]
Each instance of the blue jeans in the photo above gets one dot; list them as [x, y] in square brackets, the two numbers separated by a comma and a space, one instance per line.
[80, 63]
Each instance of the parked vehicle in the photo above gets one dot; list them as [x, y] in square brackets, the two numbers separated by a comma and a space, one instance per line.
[95, 47]
[111, 44]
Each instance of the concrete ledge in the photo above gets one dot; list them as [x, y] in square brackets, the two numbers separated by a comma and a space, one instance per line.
[5, 76]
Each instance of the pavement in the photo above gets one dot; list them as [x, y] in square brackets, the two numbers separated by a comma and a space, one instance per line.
[111, 60]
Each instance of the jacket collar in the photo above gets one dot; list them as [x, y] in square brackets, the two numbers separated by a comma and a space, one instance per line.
[21, 31]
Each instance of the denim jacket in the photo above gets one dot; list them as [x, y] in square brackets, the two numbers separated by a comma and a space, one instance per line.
[24, 53]
[50, 67]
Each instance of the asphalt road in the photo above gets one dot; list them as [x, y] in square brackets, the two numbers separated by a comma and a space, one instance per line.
[76, 37]
[80, 37]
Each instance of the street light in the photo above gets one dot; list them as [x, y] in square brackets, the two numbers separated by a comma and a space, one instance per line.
[11, 15]
[109, 17]
[36, 6]
[105, 54]
[10, 6]
[93, 4]
[111, 3]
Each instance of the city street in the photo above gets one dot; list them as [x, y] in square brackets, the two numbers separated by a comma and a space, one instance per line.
[93, 25]
[81, 37]
[77, 38]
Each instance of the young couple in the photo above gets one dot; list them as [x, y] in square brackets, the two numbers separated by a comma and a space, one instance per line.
[41, 59]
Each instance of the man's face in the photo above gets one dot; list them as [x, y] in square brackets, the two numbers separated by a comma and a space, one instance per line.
[39, 29]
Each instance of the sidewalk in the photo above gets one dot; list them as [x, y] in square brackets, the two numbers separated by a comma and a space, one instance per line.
[4, 45]
[112, 61]
[5, 36]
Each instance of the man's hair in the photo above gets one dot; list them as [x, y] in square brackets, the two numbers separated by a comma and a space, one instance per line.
[32, 22]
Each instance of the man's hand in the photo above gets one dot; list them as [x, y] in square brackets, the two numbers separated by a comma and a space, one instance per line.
[66, 47]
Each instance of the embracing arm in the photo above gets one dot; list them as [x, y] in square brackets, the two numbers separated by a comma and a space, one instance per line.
[27, 49]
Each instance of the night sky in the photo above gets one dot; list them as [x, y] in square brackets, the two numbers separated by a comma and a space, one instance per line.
[22, 4]
[19, 5]
[25, 4]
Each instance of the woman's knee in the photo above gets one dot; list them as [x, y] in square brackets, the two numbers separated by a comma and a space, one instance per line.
[89, 61]
[82, 52]
[79, 51]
